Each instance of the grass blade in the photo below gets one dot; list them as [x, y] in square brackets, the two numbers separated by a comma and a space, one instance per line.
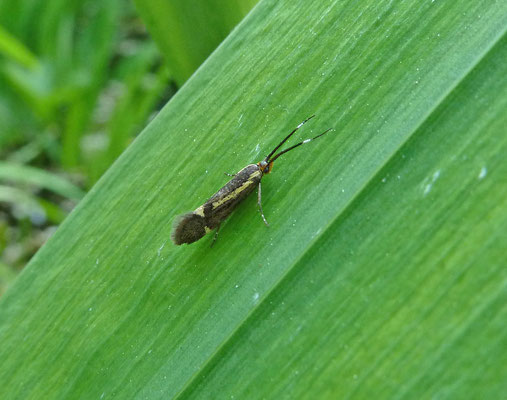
[361, 272]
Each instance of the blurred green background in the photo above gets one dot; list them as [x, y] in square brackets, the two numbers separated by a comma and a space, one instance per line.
[78, 81]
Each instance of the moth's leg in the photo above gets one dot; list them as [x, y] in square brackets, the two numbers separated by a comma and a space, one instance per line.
[259, 197]
[215, 236]
[226, 173]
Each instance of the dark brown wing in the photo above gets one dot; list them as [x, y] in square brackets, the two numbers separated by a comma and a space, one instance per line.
[222, 203]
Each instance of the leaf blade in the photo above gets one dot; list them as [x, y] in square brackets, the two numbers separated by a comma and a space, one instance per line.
[140, 307]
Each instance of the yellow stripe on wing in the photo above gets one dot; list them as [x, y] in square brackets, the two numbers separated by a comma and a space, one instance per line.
[237, 191]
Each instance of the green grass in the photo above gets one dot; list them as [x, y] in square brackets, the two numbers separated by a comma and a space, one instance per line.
[66, 79]
[188, 31]
[77, 87]
[383, 272]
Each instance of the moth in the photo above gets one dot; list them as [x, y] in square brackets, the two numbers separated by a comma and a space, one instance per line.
[192, 226]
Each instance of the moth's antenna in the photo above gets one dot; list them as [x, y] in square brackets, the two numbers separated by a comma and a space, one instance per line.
[299, 144]
[288, 136]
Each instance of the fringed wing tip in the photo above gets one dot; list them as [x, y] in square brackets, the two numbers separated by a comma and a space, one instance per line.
[187, 228]
[178, 226]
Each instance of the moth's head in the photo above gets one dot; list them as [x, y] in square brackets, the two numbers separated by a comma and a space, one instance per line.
[265, 166]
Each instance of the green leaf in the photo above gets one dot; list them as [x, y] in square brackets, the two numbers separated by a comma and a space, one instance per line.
[383, 271]
[187, 32]
[74, 42]
[13, 49]
[24, 203]
[7, 275]
[23, 174]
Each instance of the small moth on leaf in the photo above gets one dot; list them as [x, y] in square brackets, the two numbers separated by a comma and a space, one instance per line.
[192, 226]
